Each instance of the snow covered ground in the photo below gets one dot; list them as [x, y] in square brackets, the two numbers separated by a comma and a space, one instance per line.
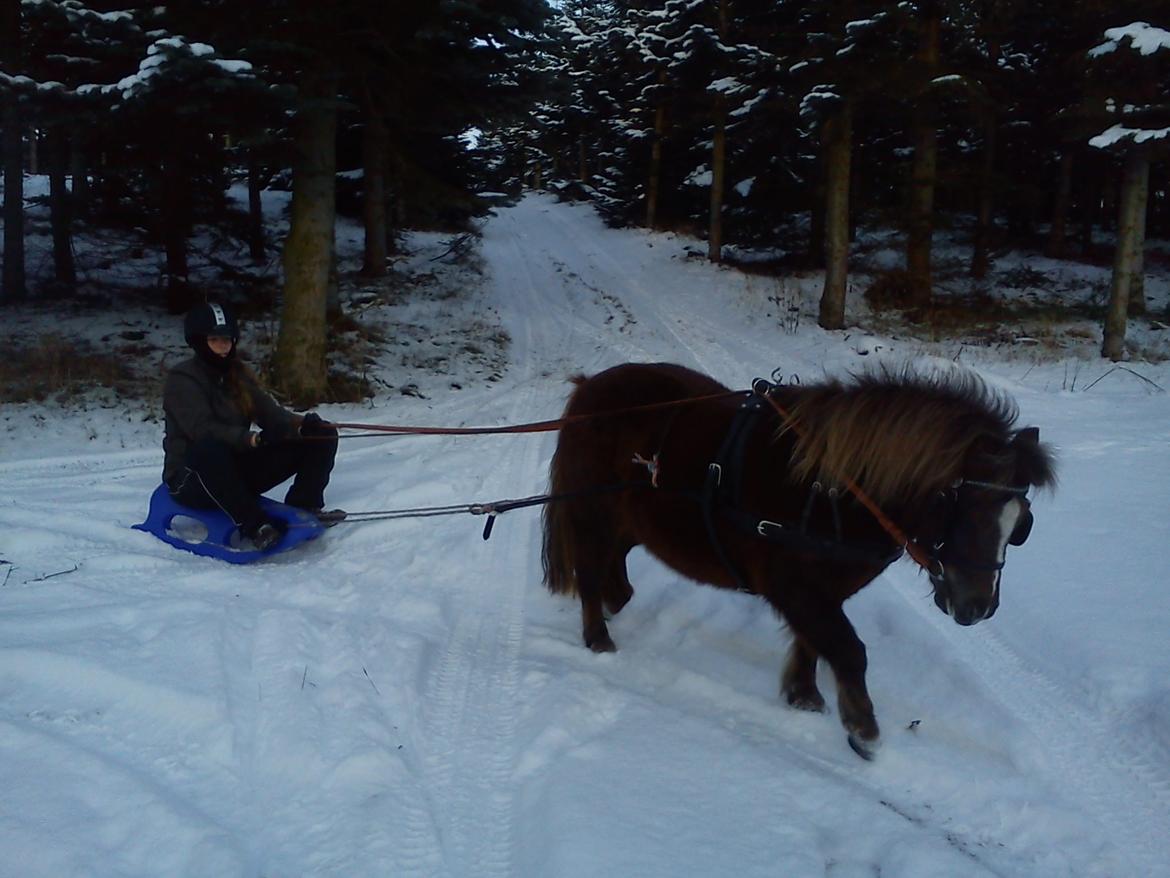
[403, 698]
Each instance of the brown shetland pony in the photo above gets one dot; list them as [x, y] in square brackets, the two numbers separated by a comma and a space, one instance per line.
[938, 454]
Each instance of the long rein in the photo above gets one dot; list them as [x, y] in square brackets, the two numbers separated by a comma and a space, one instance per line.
[533, 426]
[495, 508]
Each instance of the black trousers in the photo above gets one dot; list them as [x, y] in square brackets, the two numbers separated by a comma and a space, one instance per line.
[217, 476]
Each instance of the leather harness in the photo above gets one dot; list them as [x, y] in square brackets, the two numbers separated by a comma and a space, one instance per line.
[721, 499]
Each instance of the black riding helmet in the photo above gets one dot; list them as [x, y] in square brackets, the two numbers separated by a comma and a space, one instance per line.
[209, 319]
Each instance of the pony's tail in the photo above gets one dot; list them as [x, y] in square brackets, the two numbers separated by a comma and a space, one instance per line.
[557, 555]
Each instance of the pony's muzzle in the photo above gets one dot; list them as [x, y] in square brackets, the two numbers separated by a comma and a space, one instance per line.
[964, 609]
[971, 612]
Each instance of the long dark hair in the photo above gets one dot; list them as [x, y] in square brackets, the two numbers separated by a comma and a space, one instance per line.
[241, 382]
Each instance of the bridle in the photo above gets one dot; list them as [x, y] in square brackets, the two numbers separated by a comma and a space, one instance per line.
[924, 557]
[950, 497]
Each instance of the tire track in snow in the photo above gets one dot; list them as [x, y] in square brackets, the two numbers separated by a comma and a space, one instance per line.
[698, 337]
[1085, 754]
[293, 751]
[105, 467]
[471, 704]
[762, 722]
[195, 840]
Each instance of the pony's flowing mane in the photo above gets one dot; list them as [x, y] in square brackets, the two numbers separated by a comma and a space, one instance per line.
[899, 433]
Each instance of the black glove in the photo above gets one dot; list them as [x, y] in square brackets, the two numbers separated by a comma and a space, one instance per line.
[313, 425]
[264, 437]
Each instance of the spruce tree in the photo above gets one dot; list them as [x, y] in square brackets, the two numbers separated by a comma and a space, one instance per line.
[1130, 74]
[12, 281]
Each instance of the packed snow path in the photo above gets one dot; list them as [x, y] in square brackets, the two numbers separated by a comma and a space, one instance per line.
[403, 698]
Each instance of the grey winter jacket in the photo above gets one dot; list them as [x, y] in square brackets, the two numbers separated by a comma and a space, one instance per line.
[197, 404]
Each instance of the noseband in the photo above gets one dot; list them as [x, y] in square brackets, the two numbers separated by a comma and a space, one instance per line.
[950, 497]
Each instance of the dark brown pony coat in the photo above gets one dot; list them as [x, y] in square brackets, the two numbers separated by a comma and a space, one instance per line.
[905, 438]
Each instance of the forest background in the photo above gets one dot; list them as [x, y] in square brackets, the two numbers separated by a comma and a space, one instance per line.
[772, 130]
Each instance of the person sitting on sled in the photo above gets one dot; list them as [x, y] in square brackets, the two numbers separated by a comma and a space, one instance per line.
[213, 457]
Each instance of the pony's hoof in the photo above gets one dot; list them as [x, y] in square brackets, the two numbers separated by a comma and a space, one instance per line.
[601, 643]
[810, 700]
[867, 750]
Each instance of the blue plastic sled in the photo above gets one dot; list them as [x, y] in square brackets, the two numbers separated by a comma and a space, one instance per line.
[218, 536]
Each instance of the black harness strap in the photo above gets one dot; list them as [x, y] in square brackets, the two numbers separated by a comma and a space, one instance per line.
[727, 469]
[722, 494]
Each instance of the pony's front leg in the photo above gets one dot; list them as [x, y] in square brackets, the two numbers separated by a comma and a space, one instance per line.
[826, 630]
[798, 683]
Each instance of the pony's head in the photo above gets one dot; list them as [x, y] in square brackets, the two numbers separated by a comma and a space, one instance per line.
[975, 519]
[940, 451]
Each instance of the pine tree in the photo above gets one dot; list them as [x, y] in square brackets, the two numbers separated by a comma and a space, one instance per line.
[12, 282]
[836, 75]
[1131, 71]
[174, 104]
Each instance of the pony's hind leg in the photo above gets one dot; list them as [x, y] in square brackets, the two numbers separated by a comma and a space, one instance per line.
[593, 627]
[616, 589]
[798, 682]
[593, 567]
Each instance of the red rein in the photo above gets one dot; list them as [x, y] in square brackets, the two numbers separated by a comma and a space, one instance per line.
[534, 426]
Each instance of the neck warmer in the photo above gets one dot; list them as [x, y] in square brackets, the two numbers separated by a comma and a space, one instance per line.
[211, 358]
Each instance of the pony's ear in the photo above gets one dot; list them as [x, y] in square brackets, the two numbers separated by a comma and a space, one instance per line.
[1029, 435]
[1036, 460]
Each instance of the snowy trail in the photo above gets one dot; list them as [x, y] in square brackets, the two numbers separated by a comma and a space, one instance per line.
[1076, 749]
[403, 698]
[470, 706]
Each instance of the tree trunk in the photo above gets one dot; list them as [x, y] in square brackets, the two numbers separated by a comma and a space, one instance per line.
[718, 158]
[375, 146]
[1130, 222]
[838, 147]
[60, 210]
[582, 164]
[718, 174]
[921, 226]
[257, 245]
[1088, 212]
[333, 290]
[12, 282]
[817, 219]
[1058, 230]
[175, 215]
[1159, 212]
[981, 249]
[654, 183]
[1136, 307]
[395, 199]
[34, 163]
[924, 170]
[78, 174]
[308, 251]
